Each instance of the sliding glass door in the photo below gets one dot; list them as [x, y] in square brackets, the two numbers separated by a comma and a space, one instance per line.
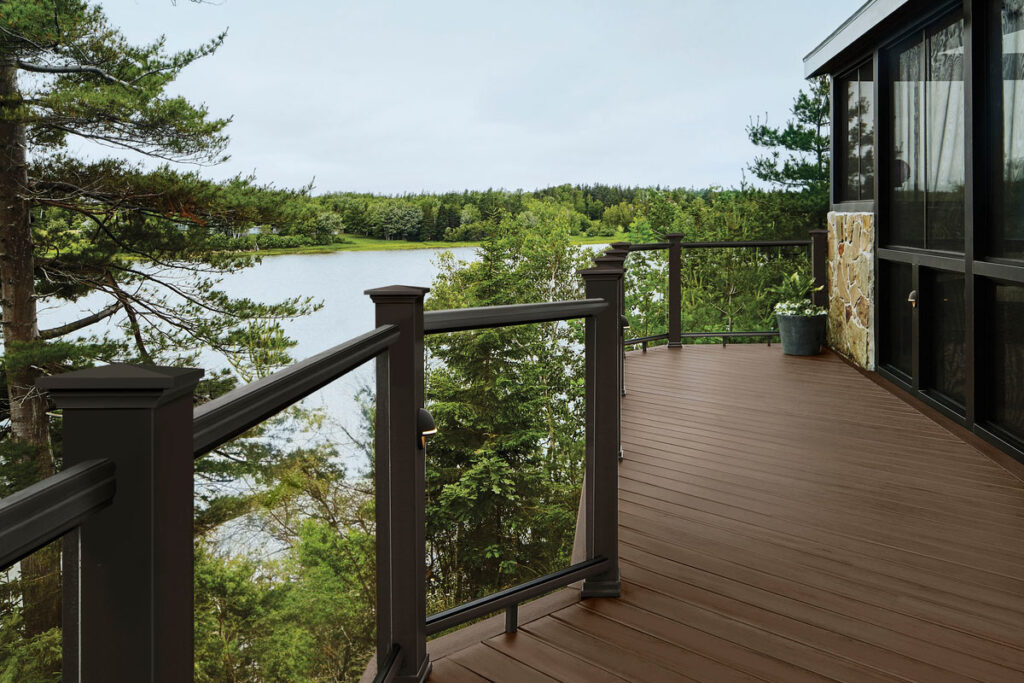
[950, 317]
[921, 269]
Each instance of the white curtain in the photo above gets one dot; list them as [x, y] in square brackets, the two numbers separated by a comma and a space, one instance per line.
[907, 104]
[1013, 110]
[945, 110]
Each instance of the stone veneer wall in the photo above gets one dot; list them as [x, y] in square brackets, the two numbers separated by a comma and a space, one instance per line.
[851, 286]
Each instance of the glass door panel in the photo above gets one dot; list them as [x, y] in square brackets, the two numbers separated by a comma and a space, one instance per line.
[896, 319]
[1008, 238]
[906, 226]
[1006, 346]
[944, 139]
[943, 335]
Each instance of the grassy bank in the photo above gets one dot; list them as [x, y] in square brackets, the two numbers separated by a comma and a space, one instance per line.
[359, 243]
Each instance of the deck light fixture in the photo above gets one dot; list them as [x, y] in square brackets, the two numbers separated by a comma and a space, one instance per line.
[425, 425]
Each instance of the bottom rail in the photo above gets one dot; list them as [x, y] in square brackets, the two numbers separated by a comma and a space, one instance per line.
[513, 596]
[724, 336]
[388, 669]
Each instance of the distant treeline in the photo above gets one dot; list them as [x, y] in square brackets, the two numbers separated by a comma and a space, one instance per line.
[595, 210]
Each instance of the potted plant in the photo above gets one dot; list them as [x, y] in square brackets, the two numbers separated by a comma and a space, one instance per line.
[801, 322]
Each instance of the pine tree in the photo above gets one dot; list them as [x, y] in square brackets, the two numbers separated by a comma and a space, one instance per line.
[799, 152]
[67, 75]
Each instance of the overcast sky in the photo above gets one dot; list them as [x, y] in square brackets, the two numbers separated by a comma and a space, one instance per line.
[401, 96]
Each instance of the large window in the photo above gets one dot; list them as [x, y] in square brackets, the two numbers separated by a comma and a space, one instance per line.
[856, 135]
[950, 308]
[1005, 337]
[927, 143]
[945, 338]
[1008, 240]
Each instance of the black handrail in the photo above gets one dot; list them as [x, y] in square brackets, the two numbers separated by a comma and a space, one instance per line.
[226, 417]
[515, 595]
[655, 246]
[456, 320]
[675, 246]
[43, 512]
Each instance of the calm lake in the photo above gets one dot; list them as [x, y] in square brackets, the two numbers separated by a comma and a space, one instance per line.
[338, 280]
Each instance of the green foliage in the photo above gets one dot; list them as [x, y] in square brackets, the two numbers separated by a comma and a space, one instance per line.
[722, 289]
[798, 156]
[796, 286]
[96, 85]
[309, 613]
[27, 659]
[259, 242]
[505, 468]
[140, 237]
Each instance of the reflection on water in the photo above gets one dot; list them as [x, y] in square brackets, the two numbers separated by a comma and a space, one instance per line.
[338, 279]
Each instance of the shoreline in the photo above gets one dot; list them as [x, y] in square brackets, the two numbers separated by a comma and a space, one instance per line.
[359, 243]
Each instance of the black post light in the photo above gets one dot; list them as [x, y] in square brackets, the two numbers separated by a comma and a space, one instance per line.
[425, 426]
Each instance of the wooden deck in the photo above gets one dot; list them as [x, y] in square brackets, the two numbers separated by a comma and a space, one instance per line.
[782, 519]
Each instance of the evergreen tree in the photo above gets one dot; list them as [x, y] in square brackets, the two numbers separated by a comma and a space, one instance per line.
[66, 75]
[505, 468]
[798, 157]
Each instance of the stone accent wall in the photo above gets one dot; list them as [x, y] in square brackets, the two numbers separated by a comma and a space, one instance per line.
[851, 286]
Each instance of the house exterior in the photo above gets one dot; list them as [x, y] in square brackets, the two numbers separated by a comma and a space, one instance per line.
[926, 231]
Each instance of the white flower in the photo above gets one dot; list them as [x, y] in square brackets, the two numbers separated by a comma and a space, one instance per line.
[804, 307]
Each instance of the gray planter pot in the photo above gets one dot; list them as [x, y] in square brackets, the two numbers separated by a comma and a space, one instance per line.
[802, 335]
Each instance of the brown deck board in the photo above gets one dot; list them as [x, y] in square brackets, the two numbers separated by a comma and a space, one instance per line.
[493, 665]
[564, 665]
[785, 519]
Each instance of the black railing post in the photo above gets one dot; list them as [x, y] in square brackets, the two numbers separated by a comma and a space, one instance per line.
[400, 486]
[819, 267]
[615, 258]
[603, 353]
[621, 250]
[128, 613]
[674, 290]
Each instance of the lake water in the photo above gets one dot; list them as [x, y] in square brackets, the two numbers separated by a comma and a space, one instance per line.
[337, 279]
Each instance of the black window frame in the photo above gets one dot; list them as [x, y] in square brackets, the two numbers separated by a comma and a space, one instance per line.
[840, 140]
[982, 267]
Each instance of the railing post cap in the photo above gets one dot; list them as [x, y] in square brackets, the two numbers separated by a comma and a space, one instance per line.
[620, 245]
[605, 261]
[819, 231]
[602, 273]
[675, 236]
[124, 384]
[397, 293]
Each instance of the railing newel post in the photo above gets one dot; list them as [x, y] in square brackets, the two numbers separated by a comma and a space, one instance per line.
[400, 485]
[620, 250]
[616, 258]
[128, 569]
[603, 405]
[674, 290]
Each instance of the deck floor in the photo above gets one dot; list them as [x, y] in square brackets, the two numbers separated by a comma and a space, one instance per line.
[783, 519]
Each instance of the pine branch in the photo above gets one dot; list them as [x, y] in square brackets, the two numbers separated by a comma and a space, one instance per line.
[72, 69]
[55, 332]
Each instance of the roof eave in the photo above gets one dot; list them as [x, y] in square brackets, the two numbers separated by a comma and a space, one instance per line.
[870, 15]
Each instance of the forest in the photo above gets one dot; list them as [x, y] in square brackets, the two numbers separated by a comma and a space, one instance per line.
[505, 468]
[474, 215]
